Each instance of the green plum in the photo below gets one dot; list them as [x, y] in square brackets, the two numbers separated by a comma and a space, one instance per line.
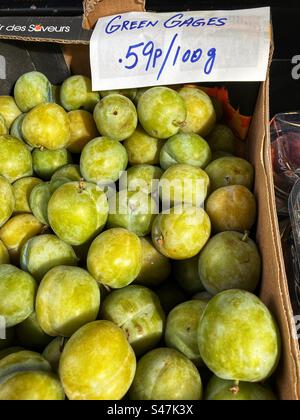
[23, 360]
[71, 172]
[230, 171]
[9, 350]
[17, 291]
[53, 351]
[31, 89]
[30, 334]
[7, 200]
[187, 148]
[16, 161]
[219, 154]
[22, 189]
[186, 274]
[129, 93]
[232, 208]
[4, 255]
[181, 234]
[46, 162]
[3, 126]
[48, 126]
[115, 258]
[238, 338]
[222, 390]
[76, 92]
[202, 296]
[77, 211]
[16, 129]
[222, 139]
[139, 93]
[230, 260]
[182, 326]
[138, 312]
[102, 160]
[83, 130]
[38, 201]
[144, 178]
[67, 298]
[142, 148]
[9, 109]
[156, 268]
[201, 116]
[166, 374]
[43, 252]
[162, 112]
[184, 184]
[6, 342]
[170, 295]
[218, 107]
[116, 117]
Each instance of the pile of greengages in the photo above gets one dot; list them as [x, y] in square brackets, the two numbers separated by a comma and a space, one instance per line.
[172, 306]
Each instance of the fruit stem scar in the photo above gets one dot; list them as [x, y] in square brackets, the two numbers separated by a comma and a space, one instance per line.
[81, 186]
[160, 240]
[235, 389]
[246, 236]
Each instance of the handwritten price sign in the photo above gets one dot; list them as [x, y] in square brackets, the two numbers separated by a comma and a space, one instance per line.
[147, 49]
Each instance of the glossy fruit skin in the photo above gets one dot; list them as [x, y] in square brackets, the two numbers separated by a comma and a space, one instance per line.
[9, 350]
[143, 148]
[222, 139]
[115, 258]
[4, 255]
[170, 295]
[238, 338]
[16, 130]
[186, 274]
[22, 189]
[53, 351]
[201, 116]
[67, 299]
[76, 92]
[71, 172]
[83, 129]
[230, 261]
[38, 202]
[156, 268]
[219, 389]
[183, 184]
[158, 374]
[9, 109]
[3, 126]
[129, 93]
[138, 312]
[230, 171]
[182, 327]
[102, 160]
[186, 148]
[43, 252]
[46, 162]
[47, 125]
[30, 335]
[144, 178]
[97, 363]
[115, 117]
[7, 200]
[31, 89]
[19, 289]
[161, 112]
[72, 203]
[231, 208]
[16, 161]
[181, 234]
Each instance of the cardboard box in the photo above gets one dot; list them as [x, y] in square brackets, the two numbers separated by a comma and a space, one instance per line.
[274, 290]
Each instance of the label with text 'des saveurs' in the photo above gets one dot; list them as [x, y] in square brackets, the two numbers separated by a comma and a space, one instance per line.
[146, 49]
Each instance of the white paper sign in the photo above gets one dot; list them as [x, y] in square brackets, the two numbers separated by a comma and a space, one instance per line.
[147, 49]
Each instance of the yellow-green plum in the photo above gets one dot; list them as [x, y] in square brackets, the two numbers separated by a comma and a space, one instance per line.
[238, 338]
[48, 126]
[21, 361]
[162, 112]
[67, 298]
[38, 201]
[31, 89]
[134, 211]
[9, 109]
[232, 208]
[115, 258]
[143, 178]
[6, 342]
[97, 363]
[116, 117]
[156, 268]
[30, 335]
[44, 252]
[16, 161]
[186, 274]
[138, 312]
[182, 327]
[182, 233]
[17, 291]
[76, 92]
[77, 211]
[83, 129]
[46, 162]
[230, 260]
[53, 351]
[230, 171]
[16, 232]
[7, 200]
[139, 93]
[201, 116]
[219, 154]
[3, 126]
[22, 189]
[170, 295]
[102, 160]
[221, 390]
[71, 172]
[9, 350]
[130, 93]
[4, 255]
[218, 107]
[222, 139]
[143, 148]
[16, 130]
[184, 184]
[166, 374]
[187, 148]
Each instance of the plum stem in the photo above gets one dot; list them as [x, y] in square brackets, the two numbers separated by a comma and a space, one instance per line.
[235, 389]
[81, 185]
[246, 236]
